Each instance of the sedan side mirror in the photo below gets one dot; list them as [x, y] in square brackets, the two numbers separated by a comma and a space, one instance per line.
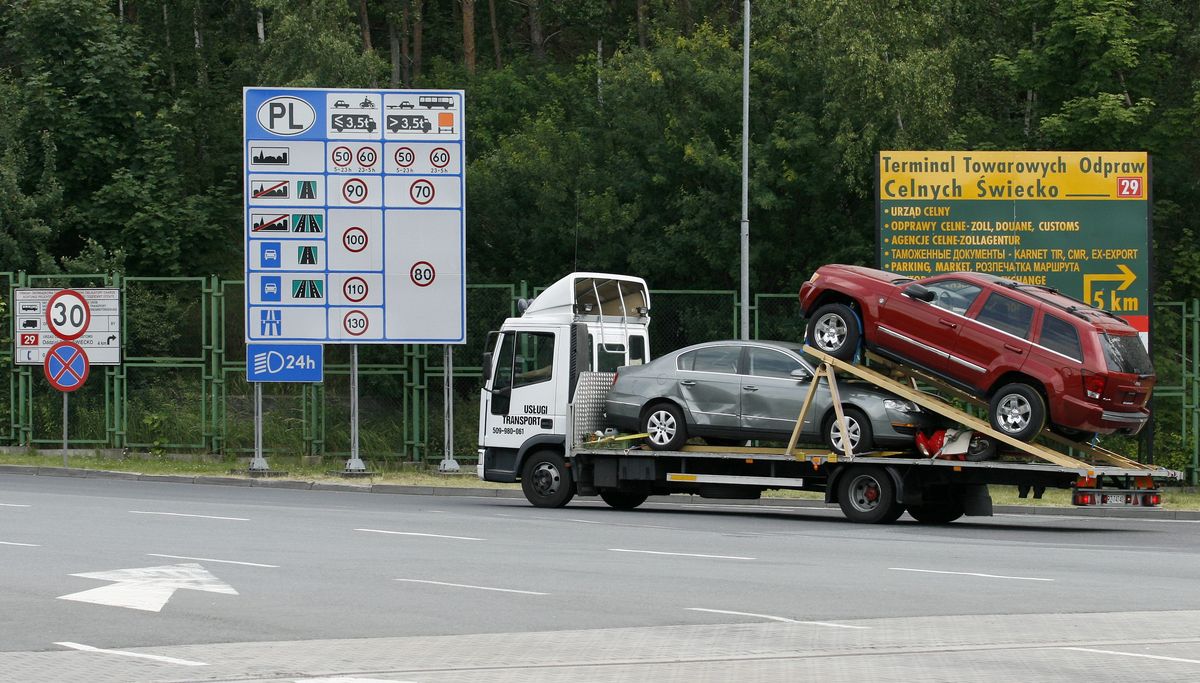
[919, 291]
[801, 375]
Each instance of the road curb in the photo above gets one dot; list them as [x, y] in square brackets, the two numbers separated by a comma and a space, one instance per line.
[416, 490]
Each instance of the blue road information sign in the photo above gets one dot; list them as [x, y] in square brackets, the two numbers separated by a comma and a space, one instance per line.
[66, 366]
[355, 216]
[285, 362]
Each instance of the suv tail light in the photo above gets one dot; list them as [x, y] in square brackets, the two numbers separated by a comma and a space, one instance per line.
[1093, 384]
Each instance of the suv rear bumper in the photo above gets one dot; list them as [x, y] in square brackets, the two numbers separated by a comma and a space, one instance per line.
[1077, 414]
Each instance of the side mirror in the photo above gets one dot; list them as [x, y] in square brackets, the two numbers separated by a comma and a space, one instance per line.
[919, 291]
[487, 366]
[801, 375]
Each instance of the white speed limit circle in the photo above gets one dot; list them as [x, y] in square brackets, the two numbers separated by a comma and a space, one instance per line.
[355, 323]
[68, 314]
[422, 273]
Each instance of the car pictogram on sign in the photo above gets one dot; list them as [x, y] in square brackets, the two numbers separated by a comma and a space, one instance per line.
[341, 104]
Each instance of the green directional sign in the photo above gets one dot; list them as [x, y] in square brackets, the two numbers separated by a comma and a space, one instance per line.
[1075, 221]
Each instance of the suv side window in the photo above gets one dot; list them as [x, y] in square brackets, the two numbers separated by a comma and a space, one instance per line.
[768, 363]
[955, 296]
[717, 359]
[1006, 314]
[1061, 336]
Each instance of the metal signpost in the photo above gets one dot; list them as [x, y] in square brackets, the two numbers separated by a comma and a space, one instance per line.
[89, 317]
[66, 368]
[278, 363]
[355, 219]
[1075, 221]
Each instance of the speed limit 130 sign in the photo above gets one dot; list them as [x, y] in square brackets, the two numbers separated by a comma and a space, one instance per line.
[68, 314]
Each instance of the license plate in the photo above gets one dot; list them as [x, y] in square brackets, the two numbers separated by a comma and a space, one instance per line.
[1112, 499]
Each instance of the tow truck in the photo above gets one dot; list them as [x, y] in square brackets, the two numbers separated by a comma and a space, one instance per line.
[541, 423]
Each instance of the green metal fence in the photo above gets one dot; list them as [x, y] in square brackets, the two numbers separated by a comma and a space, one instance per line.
[183, 382]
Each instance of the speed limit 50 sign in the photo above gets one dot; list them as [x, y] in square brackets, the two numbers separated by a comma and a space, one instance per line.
[89, 317]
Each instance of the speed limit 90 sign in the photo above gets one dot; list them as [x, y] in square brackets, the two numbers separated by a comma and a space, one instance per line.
[67, 314]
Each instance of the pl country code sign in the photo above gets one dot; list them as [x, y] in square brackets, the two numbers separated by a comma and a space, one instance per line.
[355, 216]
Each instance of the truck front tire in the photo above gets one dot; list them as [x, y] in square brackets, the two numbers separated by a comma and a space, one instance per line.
[546, 480]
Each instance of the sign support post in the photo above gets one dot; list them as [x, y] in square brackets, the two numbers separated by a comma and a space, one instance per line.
[65, 395]
[259, 464]
[354, 466]
[448, 464]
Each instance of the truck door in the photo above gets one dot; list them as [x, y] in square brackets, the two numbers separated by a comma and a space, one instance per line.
[523, 397]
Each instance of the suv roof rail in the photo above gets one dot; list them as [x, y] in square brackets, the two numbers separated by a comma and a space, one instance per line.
[1077, 311]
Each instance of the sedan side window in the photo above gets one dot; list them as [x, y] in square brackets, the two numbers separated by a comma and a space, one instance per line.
[717, 359]
[768, 363]
[955, 296]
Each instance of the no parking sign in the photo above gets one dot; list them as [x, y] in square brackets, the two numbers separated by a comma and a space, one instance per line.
[66, 366]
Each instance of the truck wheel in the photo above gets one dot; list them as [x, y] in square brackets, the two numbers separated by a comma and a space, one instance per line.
[546, 480]
[623, 500]
[1017, 410]
[666, 427]
[936, 513]
[861, 437]
[834, 329]
[868, 496]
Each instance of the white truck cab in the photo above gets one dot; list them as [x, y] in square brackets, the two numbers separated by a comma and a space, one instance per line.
[533, 361]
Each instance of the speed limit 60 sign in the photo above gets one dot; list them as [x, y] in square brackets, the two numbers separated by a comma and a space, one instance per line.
[89, 317]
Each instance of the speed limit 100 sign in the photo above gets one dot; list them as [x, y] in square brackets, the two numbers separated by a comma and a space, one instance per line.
[67, 314]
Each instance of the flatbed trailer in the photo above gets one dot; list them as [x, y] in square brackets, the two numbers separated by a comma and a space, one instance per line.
[874, 487]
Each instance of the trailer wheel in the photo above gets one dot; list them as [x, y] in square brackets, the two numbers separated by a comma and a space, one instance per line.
[859, 426]
[665, 424]
[834, 329]
[623, 500]
[1017, 410]
[546, 480]
[936, 513]
[868, 495]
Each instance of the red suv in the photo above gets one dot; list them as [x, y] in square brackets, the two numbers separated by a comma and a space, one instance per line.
[1034, 354]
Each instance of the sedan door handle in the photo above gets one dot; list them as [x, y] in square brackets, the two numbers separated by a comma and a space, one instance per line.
[1014, 348]
[750, 388]
[948, 323]
[688, 382]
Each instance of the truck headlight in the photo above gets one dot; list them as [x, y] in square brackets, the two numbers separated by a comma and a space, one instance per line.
[901, 405]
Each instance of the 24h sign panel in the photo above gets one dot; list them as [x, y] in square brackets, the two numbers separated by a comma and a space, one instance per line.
[346, 191]
[1075, 221]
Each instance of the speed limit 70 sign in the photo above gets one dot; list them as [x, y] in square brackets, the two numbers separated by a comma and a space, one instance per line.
[68, 314]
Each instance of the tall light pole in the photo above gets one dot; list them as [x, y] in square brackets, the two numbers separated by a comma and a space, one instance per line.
[745, 230]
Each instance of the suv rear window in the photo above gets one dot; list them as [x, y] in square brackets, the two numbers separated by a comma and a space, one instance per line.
[1125, 353]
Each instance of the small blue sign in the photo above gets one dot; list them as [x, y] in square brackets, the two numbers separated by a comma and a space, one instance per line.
[285, 362]
[269, 254]
[270, 287]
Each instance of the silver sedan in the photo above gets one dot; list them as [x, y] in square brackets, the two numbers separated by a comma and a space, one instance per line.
[728, 392]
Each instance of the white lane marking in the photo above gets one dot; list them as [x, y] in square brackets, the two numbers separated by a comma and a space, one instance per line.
[181, 514]
[773, 618]
[27, 545]
[139, 655]
[413, 533]
[1133, 654]
[12, 505]
[148, 588]
[463, 585]
[658, 552]
[585, 521]
[986, 576]
[209, 559]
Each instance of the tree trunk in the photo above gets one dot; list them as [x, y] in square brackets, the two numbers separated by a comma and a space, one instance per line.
[202, 68]
[394, 51]
[262, 26]
[468, 17]
[405, 55]
[418, 33]
[495, 34]
[364, 24]
[170, 52]
[643, 30]
[536, 40]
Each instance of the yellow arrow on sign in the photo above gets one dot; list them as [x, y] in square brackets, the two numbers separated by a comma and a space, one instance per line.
[1125, 277]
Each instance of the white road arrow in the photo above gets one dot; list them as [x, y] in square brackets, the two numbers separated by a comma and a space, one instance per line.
[149, 588]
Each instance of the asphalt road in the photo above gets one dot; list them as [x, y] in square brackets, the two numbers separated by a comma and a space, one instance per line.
[186, 582]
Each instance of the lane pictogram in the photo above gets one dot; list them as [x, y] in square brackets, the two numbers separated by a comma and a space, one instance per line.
[66, 366]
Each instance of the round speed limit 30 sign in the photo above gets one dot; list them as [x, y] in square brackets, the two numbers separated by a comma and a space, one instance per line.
[68, 314]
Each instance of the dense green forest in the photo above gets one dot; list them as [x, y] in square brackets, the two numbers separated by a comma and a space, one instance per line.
[603, 134]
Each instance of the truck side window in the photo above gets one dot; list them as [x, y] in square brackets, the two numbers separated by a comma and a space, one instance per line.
[637, 350]
[502, 377]
[535, 363]
[610, 357]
